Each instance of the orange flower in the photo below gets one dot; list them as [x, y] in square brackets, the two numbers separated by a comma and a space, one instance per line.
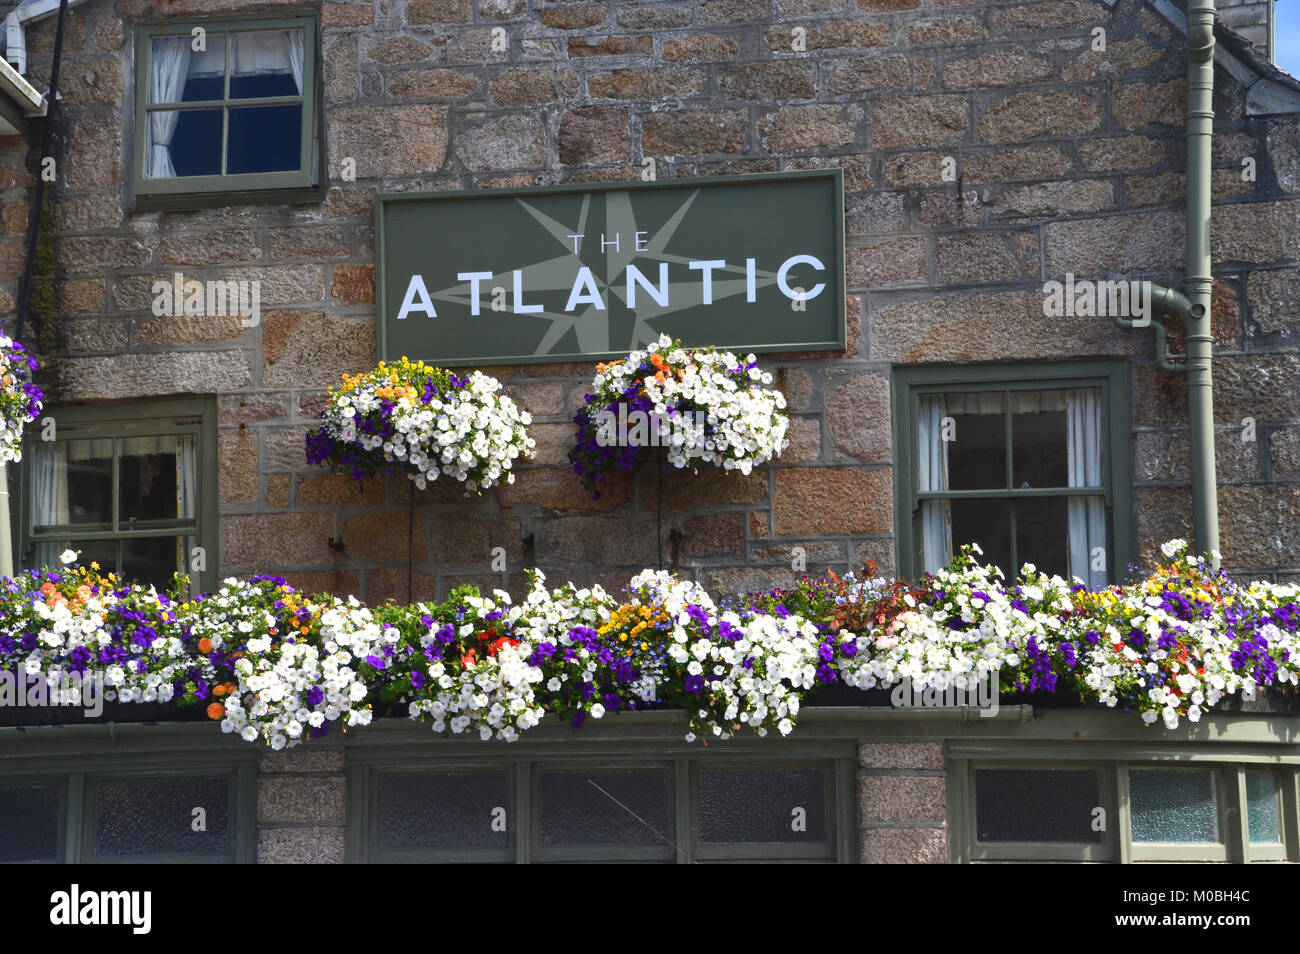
[660, 377]
[219, 690]
[83, 592]
[47, 588]
[216, 710]
[469, 659]
[205, 645]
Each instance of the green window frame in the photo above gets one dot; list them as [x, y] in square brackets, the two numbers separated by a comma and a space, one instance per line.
[681, 842]
[1229, 771]
[78, 783]
[304, 184]
[910, 384]
[194, 417]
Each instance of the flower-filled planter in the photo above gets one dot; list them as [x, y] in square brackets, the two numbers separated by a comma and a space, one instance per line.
[689, 406]
[424, 422]
[275, 666]
[20, 400]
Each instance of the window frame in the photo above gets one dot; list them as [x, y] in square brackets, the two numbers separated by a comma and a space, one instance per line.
[1111, 376]
[197, 416]
[525, 761]
[306, 184]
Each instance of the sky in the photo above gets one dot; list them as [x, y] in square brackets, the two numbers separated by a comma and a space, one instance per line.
[1286, 35]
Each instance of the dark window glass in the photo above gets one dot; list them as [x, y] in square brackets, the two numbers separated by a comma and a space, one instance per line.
[762, 806]
[444, 810]
[89, 483]
[986, 522]
[157, 816]
[204, 88]
[977, 453]
[1037, 805]
[1039, 457]
[1173, 806]
[268, 84]
[1042, 528]
[196, 143]
[152, 559]
[29, 824]
[605, 807]
[147, 480]
[264, 139]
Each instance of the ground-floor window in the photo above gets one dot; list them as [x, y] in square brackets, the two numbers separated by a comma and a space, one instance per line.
[1029, 461]
[131, 486]
[161, 813]
[553, 807]
[1191, 809]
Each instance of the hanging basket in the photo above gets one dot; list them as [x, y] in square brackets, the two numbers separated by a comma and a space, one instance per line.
[424, 422]
[688, 406]
[20, 400]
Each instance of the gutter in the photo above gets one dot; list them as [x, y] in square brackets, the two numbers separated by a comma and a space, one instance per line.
[1192, 305]
[23, 93]
[16, 28]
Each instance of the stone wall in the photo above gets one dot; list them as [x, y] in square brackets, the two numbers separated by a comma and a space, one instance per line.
[902, 803]
[1069, 159]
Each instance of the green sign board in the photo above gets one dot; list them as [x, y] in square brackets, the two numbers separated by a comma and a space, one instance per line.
[573, 273]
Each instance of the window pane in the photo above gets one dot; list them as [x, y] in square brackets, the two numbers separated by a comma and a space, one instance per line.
[29, 824]
[988, 523]
[264, 139]
[266, 63]
[977, 452]
[178, 73]
[72, 484]
[1261, 808]
[153, 559]
[1173, 805]
[444, 810]
[156, 479]
[1039, 458]
[1042, 532]
[1037, 805]
[153, 816]
[762, 806]
[583, 808]
[184, 143]
[103, 552]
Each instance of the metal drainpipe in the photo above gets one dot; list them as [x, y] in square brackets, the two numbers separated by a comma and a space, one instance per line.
[1198, 281]
[1192, 307]
[25, 292]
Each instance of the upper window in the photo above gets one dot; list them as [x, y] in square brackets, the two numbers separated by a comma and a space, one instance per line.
[132, 487]
[226, 107]
[1030, 463]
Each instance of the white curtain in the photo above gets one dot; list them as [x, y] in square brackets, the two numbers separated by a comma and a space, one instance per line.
[1087, 514]
[293, 51]
[49, 495]
[169, 63]
[936, 515]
